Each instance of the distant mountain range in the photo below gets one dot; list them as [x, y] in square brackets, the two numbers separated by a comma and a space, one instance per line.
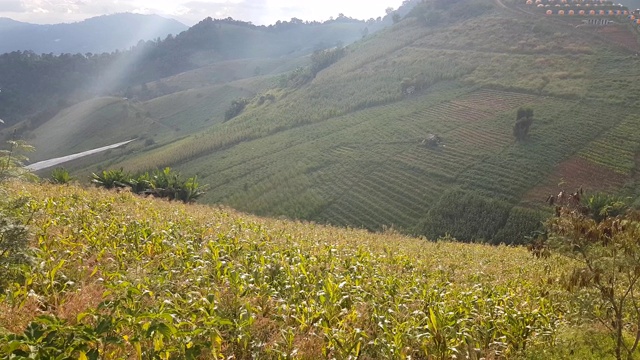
[95, 35]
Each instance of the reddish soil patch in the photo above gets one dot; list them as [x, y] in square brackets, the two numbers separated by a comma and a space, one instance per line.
[620, 35]
[571, 175]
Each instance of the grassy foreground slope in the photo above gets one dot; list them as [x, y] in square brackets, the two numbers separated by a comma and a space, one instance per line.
[119, 276]
[346, 148]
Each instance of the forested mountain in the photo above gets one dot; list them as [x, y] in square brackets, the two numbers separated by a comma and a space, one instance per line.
[33, 83]
[96, 35]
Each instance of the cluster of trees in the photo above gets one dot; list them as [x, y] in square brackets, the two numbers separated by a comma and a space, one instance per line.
[237, 106]
[410, 85]
[322, 59]
[467, 216]
[524, 119]
[163, 183]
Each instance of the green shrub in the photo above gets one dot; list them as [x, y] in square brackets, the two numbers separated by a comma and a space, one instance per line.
[520, 226]
[110, 179]
[61, 176]
[465, 216]
[322, 59]
[602, 238]
[237, 106]
[164, 183]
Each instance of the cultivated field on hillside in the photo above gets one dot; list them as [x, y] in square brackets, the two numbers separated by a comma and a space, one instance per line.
[127, 277]
[346, 147]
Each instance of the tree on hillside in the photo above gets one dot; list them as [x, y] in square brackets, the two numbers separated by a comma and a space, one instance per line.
[322, 59]
[237, 106]
[524, 119]
[601, 234]
[12, 161]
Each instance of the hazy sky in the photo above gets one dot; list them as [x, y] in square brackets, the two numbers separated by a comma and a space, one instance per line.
[189, 12]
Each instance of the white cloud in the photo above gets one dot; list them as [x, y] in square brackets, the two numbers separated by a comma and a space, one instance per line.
[11, 6]
[192, 11]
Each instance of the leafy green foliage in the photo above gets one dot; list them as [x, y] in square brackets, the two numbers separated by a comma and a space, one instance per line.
[110, 179]
[524, 119]
[14, 243]
[163, 183]
[601, 206]
[465, 216]
[12, 161]
[322, 59]
[61, 176]
[601, 234]
[50, 338]
[236, 108]
[522, 224]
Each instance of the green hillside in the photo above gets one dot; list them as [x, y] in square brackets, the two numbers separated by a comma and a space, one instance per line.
[348, 147]
[118, 276]
[91, 124]
[33, 85]
[160, 120]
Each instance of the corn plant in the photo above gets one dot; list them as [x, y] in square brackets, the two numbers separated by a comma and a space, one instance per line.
[13, 247]
[116, 276]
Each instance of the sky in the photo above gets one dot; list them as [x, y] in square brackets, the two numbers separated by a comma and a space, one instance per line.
[260, 12]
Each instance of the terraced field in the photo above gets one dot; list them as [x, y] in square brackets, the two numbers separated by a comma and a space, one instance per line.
[618, 147]
[379, 173]
[574, 173]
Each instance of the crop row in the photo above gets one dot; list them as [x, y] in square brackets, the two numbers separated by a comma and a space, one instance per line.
[391, 190]
[511, 173]
[496, 101]
[465, 132]
[617, 148]
[369, 168]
